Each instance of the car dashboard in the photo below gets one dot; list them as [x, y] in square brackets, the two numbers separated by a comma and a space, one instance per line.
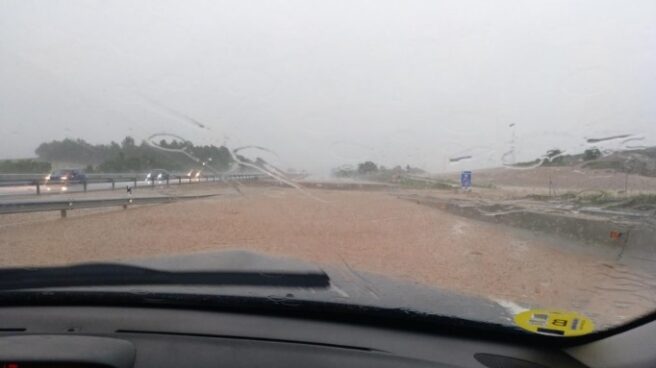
[118, 337]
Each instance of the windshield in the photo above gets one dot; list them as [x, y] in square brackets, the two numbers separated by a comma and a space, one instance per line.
[493, 160]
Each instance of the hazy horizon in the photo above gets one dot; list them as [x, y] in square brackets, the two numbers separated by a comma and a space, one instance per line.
[324, 84]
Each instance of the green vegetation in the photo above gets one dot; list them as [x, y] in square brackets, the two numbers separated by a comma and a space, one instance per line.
[130, 157]
[426, 184]
[367, 167]
[600, 198]
[638, 202]
[528, 163]
[370, 170]
[642, 202]
[604, 165]
[482, 185]
[408, 176]
[595, 197]
[544, 197]
[591, 197]
[25, 166]
[344, 172]
[591, 154]
[553, 157]
[637, 161]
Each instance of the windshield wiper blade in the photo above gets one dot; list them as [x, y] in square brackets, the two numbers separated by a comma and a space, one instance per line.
[109, 274]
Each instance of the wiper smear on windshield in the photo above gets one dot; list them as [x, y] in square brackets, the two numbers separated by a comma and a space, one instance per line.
[266, 169]
[175, 113]
[597, 140]
[460, 158]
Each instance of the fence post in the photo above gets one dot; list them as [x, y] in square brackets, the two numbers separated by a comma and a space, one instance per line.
[167, 181]
[38, 188]
[113, 184]
[179, 179]
[135, 182]
[62, 213]
[85, 185]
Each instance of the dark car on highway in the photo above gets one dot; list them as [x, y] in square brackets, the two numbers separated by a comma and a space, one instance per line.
[66, 176]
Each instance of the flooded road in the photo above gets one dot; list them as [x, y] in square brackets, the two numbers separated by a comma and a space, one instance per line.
[369, 231]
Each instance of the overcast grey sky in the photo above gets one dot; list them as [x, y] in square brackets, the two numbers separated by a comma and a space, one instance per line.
[326, 83]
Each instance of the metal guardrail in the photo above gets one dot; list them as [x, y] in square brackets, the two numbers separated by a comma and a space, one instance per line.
[67, 205]
[13, 180]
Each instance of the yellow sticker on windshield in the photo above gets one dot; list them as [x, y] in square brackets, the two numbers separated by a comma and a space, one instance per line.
[554, 322]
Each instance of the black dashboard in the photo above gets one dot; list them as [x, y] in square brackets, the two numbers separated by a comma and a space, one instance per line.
[81, 337]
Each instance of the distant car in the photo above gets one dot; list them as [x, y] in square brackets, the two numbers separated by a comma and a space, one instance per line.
[157, 175]
[66, 176]
[194, 174]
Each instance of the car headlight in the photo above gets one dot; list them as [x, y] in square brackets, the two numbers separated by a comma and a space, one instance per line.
[47, 177]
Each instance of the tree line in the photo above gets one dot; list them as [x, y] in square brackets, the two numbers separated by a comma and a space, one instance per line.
[370, 168]
[25, 166]
[128, 156]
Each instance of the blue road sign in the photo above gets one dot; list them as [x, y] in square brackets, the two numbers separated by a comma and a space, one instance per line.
[466, 179]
